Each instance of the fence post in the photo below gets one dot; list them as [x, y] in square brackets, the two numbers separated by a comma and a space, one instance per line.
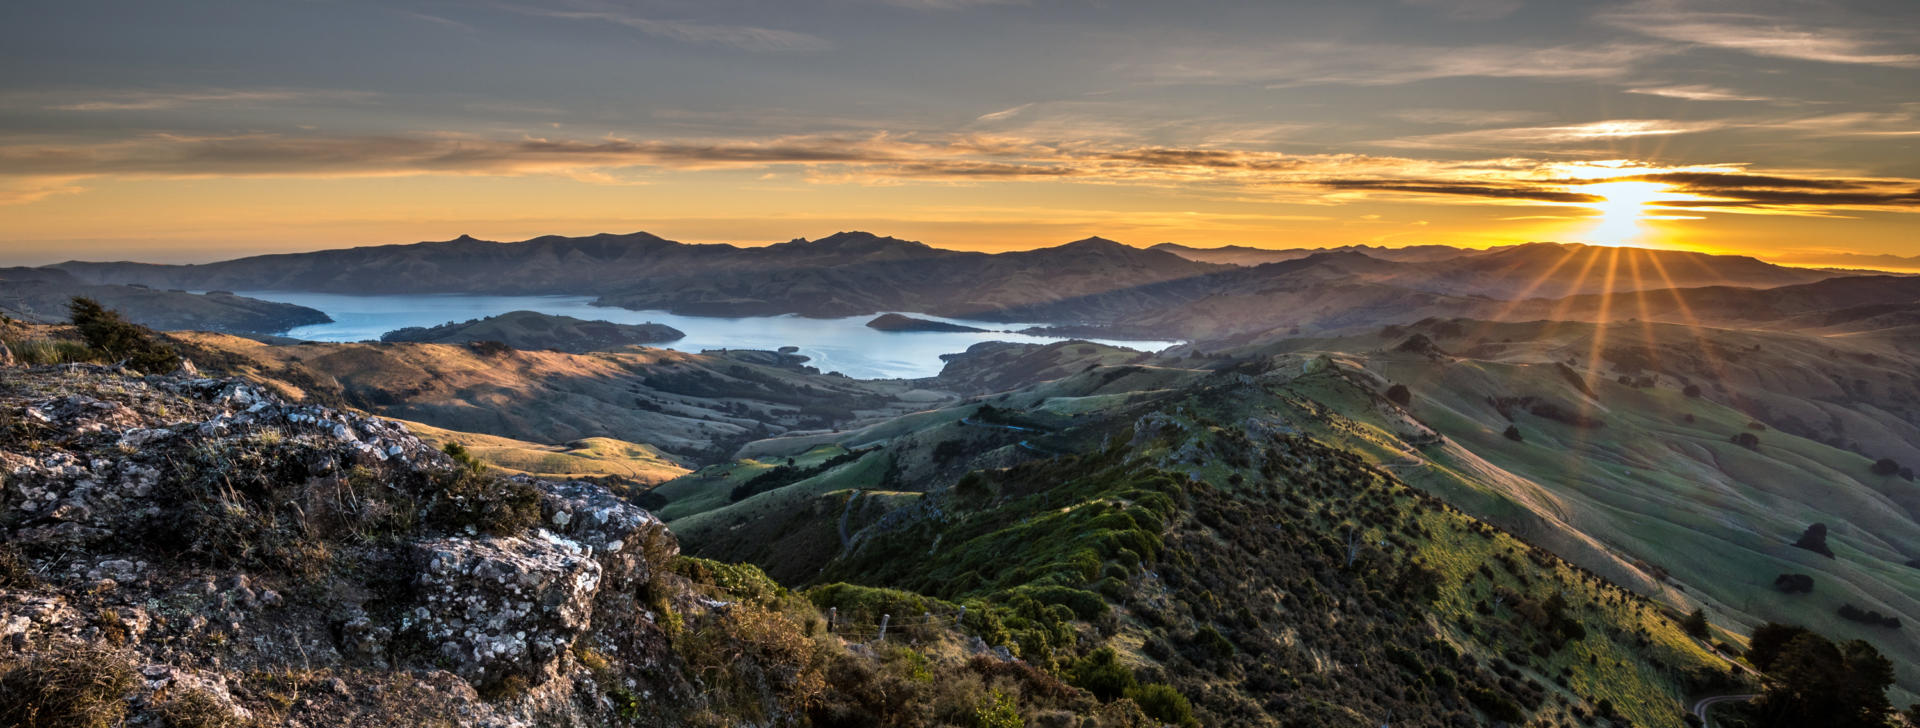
[962, 619]
[833, 619]
[883, 627]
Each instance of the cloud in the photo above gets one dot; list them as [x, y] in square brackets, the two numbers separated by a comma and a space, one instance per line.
[1758, 191]
[1004, 113]
[1469, 117]
[34, 169]
[1851, 124]
[1517, 191]
[25, 190]
[1741, 29]
[162, 100]
[742, 37]
[1696, 92]
[1553, 136]
[1285, 65]
[946, 4]
[437, 20]
[1470, 9]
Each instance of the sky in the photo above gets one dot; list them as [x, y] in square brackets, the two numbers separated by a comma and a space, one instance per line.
[204, 129]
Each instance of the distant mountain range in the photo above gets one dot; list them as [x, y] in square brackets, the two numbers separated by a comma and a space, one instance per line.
[1167, 290]
[1247, 255]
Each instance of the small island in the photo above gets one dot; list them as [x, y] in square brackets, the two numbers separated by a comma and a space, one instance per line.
[531, 330]
[897, 322]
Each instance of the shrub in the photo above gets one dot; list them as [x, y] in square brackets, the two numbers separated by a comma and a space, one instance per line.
[1398, 394]
[1696, 623]
[1691, 390]
[197, 709]
[487, 503]
[1794, 583]
[66, 688]
[1165, 704]
[1747, 440]
[999, 712]
[1815, 540]
[1886, 466]
[116, 339]
[490, 349]
[1848, 611]
[463, 457]
[1513, 433]
[1101, 673]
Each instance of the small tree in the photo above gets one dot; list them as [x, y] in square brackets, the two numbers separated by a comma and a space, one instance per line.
[1886, 466]
[1696, 624]
[1815, 539]
[116, 339]
[1513, 433]
[1692, 390]
[1399, 395]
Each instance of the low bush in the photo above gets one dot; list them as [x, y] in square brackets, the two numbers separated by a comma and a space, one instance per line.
[197, 709]
[1398, 394]
[116, 339]
[1163, 703]
[1867, 616]
[1794, 583]
[487, 503]
[73, 687]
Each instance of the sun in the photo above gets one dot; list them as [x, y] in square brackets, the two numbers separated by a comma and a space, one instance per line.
[1622, 208]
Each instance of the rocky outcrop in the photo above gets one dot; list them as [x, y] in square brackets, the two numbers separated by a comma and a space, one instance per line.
[504, 608]
[200, 531]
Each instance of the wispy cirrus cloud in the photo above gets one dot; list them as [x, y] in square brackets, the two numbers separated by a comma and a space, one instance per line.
[1859, 124]
[742, 37]
[1004, 114]
[1470, 9]
[153, 100]
[1553, 136]
[1469, 117]
[1362, 64]
[1739, 27]
[1695, 92]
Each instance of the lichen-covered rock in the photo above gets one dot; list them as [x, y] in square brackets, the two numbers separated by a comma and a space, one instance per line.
[503, 607]
[615, 532]
[205, 532]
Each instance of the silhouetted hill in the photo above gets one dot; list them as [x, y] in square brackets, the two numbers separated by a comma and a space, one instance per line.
[1248, 255]
[1853, 300]
[532, 330]
[42, 295]
[1552, 269]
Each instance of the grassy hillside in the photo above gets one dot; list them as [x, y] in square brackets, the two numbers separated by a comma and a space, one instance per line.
[594, 457]
[698, 407]
[1652, 490]
[1212, 545]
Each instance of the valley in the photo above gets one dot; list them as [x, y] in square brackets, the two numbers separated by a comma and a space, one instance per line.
[1447, 487]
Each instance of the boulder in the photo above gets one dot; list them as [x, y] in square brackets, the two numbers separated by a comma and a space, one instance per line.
[498, 608]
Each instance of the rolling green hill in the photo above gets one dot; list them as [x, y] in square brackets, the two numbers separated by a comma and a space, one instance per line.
[1210, 544]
